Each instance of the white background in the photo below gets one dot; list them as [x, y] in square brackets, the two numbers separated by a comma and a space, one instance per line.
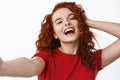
[20, 23]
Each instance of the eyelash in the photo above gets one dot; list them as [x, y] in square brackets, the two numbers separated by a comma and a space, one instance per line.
[59, 22]
[72, 18]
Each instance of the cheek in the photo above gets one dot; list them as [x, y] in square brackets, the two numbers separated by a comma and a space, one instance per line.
[56, 31]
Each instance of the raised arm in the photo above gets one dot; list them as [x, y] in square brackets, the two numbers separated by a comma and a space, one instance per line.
[21, 67]
[109, 27]
[112, 52]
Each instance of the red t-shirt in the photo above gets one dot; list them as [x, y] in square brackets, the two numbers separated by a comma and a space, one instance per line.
[62, 66]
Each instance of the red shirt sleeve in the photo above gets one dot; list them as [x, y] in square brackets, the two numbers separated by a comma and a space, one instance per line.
[43, 55]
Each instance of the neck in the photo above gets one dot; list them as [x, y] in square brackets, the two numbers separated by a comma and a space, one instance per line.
[70, 48]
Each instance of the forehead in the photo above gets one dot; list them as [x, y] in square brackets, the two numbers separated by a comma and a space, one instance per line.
[61, 13]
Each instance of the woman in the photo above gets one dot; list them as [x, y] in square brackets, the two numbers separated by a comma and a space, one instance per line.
[65, 47]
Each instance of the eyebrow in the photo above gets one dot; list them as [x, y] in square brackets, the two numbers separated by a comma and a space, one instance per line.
[60, 17]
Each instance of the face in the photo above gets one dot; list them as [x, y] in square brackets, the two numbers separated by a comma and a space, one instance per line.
[65, 25]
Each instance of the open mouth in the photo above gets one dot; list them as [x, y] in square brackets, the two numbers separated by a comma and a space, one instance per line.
[69, 31]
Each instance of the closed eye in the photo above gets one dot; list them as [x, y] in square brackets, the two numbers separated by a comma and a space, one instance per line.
[71, 17]
[58, 22]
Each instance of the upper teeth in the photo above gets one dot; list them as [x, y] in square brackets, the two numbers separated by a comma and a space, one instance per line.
[69, 29]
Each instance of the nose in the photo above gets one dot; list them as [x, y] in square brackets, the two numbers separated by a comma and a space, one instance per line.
[67, 23]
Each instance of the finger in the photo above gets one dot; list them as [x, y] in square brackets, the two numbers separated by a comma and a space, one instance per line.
[80, 6]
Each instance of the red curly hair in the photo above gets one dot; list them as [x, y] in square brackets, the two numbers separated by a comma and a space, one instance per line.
[47, 42]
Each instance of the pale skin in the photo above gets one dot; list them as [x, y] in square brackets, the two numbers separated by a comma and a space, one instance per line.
[24, 67]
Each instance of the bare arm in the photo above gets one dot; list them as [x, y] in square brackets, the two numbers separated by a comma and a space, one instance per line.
[112, 52]
[109, 27]
[21, 67]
